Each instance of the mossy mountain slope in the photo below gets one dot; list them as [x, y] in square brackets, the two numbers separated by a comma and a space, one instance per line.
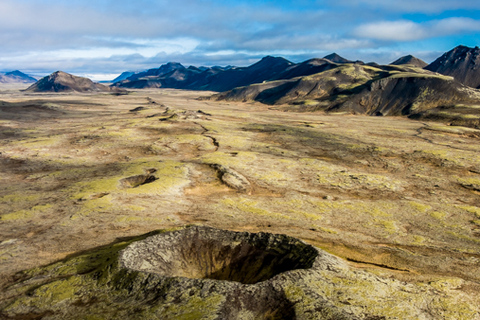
[356, 88]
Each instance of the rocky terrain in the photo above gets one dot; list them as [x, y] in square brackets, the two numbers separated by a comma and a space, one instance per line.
[382, 211]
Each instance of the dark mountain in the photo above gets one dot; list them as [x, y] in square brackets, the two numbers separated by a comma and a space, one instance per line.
[336, 58]
[306, 68]
[462, 63]
[174, 75]
[356, 88]
[269, 68]
[63, 82]
[162, 70]
[16, 77]
[123, 76]
[411, 60]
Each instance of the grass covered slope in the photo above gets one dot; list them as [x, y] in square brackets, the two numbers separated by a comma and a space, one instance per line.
[356, 88]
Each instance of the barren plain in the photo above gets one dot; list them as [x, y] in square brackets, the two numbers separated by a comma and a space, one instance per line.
[396, 198]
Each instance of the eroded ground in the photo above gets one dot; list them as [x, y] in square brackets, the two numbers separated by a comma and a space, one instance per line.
[395, 196]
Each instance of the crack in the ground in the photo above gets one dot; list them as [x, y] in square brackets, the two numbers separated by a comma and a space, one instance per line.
[419, 132]
[377, 265]
[214, 140]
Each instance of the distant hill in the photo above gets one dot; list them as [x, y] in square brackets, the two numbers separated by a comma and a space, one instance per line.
[336, 58]
[462, 63]
[16, 77]
[356, 88]
[63, 82]
[411, 60]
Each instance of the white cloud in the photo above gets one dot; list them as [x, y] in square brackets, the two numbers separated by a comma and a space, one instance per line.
[454, 25]
[402, 30]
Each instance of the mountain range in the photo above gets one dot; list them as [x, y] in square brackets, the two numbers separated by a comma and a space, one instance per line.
[407, 86]
[462, 63]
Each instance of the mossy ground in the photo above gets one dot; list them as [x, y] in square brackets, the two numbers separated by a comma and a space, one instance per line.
[391, 193]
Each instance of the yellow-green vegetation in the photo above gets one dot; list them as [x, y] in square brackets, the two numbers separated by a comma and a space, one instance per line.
[193, 307]
[418, 240]
[452, 129]
[251, 207]
[419, 207]
[347, 180]
[420, 75]
[167, 143]
[171, 177]
[25, 214]
[471, 182]
[471, 209]
[94, 206]
[18, 197]
[389, 226]
[438, 215]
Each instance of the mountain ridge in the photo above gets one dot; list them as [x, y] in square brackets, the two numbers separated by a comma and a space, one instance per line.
[462, 63]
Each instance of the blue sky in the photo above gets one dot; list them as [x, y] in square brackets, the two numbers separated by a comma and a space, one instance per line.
[102, 38]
